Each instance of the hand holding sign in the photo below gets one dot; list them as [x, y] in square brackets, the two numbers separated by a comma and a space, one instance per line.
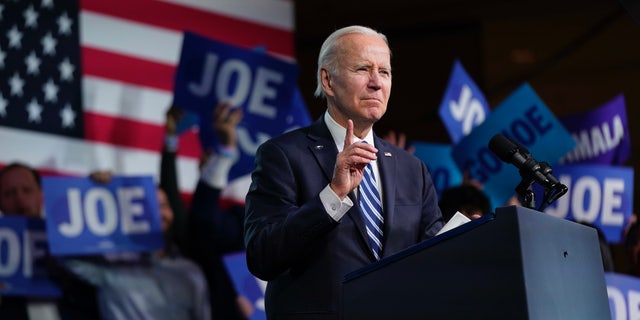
[263, 86]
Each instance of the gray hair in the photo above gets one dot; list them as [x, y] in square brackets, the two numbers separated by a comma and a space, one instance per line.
[328, 56]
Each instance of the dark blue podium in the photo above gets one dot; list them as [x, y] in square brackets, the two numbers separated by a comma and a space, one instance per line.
[515, 264]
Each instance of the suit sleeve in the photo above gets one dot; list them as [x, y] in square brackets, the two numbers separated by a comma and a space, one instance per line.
[431, 220]
[280, 229]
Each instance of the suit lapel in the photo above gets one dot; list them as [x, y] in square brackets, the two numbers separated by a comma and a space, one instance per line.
[324, 149]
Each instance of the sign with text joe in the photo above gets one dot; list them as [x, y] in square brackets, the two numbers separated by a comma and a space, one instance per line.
[87, 217]
[264, 87]
[23, 254]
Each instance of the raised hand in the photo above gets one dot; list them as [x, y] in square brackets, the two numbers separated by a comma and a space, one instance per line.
[350, 164]
[172, 117]
[225, 121]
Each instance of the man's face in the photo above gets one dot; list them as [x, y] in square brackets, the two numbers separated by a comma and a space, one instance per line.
[361, 86]
[20, 193]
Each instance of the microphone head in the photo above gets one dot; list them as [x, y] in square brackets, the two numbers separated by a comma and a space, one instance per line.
[503, 147]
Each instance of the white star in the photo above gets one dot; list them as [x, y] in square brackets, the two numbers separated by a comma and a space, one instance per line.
[2, 56]
[15, 37]
[16, 83]
[49, 44]
[66, 70]
[64, 24]
[35, 110]
[50, 91]
[3, 106]
[68, 116]
[30, 17]
[33, 63]
[47, 4]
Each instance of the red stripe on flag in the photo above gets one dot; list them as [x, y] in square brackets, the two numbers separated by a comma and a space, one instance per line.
[105, 64]
[230, 30]
[135, 134]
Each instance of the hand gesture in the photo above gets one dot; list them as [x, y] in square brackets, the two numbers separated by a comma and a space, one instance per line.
[350, 164]
[225, 121]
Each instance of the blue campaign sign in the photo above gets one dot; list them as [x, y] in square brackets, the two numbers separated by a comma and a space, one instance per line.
[598, 194]
[601, 134]
[246, 284]
[87, 217]
[522, 117]
[463, 105]
[263, 86]
[23, 253]
[437, 157]
[624, 295]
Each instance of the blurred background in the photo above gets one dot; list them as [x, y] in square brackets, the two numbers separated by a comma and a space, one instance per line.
[576, 55]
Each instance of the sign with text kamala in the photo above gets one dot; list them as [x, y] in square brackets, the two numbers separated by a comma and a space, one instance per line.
[87, 217]
[23, 253]
[523, 117]
[262, 85]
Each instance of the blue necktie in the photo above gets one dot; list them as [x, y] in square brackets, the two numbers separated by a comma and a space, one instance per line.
[371, 207]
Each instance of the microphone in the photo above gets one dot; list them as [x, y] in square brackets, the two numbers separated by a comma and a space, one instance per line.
[512, 152]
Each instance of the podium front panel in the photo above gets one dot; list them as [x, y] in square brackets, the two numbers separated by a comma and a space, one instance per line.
[516, 264]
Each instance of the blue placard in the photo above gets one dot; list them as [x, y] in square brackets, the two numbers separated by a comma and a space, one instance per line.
[444, 172]
[23, 252]
[624, 295]
[599, 195]
[246, 284]
[263, 86]
[86, 217]
[463, 105]
[602, 134]
[525, 118]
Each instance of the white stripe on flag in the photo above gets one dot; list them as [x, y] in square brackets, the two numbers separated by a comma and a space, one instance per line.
[124, 37]
[275, 13]
[123, 100]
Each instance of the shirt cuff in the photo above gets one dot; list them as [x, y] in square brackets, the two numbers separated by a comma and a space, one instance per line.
[215, 172]
[171, 142]
[335, 207]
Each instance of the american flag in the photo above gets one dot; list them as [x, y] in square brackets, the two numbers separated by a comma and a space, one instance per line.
[85, 85]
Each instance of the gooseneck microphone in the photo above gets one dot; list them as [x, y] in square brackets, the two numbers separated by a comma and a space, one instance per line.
[531, 170]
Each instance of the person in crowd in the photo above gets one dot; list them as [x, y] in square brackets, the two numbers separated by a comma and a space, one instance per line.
[322, 203]
[21, 194]
[152, 285]
[20, 190]
[399, 139]
[213, 230]
[465, 198]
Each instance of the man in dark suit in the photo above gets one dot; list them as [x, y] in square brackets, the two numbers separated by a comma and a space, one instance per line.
[304, 229]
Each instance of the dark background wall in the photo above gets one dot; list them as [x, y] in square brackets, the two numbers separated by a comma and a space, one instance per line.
[576, 54]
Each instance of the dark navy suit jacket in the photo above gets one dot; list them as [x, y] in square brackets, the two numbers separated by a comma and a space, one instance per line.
[298, 248]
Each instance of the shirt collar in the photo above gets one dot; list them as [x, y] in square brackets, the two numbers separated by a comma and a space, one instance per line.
[338, 132]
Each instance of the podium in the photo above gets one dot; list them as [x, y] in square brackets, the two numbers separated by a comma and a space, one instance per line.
[515, 264]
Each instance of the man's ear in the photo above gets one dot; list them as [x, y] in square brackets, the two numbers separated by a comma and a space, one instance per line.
[325, 77]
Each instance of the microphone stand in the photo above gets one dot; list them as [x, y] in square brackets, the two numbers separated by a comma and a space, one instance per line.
[525, 195]
[551, 193]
